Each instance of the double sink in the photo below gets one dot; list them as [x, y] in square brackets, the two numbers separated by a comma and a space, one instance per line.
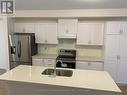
[58, 72]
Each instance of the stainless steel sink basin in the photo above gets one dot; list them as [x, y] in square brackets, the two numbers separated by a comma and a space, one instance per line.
[59, 72]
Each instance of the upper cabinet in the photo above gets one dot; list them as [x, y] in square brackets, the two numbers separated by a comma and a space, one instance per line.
[67, 28]
[46, 33]
[24, 27]
[90, 33]
[115, 27]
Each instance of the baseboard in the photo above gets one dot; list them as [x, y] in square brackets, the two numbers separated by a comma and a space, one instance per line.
[121, 84]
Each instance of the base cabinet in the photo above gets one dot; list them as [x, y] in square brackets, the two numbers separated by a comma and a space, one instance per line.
[89, 65]
[20, 88]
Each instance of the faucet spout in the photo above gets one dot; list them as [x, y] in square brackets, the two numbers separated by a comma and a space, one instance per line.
[55, 66]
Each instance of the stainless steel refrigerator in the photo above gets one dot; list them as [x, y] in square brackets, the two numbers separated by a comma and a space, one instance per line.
[22, 47]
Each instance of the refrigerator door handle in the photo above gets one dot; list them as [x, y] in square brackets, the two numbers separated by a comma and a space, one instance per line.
[19, 48]
[29, 46]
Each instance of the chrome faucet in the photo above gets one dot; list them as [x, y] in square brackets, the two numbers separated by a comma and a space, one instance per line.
[55, 67]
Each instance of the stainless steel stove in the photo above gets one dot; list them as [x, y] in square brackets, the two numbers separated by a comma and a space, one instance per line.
[68, 58]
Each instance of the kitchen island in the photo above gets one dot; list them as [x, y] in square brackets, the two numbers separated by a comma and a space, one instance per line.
[28, 80]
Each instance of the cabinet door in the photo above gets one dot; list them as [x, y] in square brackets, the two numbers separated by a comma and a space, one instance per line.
[67, 28]
[19, 27]
[90, 34]
[111, 67]
[29, 28]
[122, 66]
[114, 27]
[97, 30]
[83, 34]
[124, 29]
[95, 66]
[40, 33]
[51, 33]
[24, 27]
[111, 53]
[82, 65]
[112, 46]
[62, 28]
[72, 27]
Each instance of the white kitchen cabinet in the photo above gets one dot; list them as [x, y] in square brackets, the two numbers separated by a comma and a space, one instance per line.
[116, 57]
[116, 27]
[90, 33]
[89, 65]
[47, 62]
[24, 27]
[46, 33]
[96, 66]
[122, 65]
[67, 28]
[111, 55]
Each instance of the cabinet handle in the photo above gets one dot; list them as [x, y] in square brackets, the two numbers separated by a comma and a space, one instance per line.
[89, 63]
[121, 31]
[46, 41]
[67, 31]
[49, 60]
[89, 42]
[24, 30]
[118, 57]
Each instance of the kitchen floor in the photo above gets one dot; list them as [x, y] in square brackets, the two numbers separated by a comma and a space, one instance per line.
[124, 90]
[3, 90]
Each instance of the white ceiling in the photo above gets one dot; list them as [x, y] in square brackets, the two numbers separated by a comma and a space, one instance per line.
[69, 4]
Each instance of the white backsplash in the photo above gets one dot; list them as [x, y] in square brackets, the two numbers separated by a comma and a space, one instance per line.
[47, 49]
[88, 51]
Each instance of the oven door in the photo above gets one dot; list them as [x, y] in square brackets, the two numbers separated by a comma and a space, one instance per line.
[66, 64]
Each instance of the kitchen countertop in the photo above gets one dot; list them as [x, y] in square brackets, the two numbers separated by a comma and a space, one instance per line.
[88, 79]
[89, 59]
[50, 56]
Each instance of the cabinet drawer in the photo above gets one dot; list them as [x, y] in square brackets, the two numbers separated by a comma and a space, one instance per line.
[37, 62]
[49, 62]
[95, 66]
[89, 65]
[81, 65]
